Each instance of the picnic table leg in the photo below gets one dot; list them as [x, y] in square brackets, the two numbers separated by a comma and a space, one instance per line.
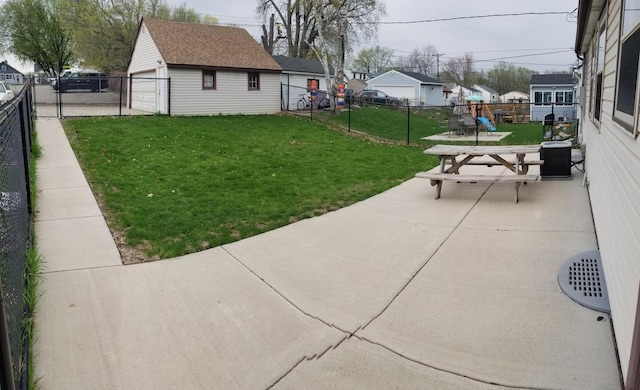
[517, 188]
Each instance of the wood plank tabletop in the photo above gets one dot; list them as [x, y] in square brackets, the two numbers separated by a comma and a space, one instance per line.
[475, 150]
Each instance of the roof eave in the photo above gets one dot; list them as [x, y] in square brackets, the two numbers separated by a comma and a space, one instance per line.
[589, 12]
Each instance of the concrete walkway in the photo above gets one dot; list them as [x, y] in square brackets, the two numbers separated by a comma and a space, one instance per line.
[398, 291]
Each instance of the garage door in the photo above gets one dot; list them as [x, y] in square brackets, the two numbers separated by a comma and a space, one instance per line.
[398, 91]
[143, 92]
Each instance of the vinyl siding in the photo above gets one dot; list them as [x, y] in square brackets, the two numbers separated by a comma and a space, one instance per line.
[422, 95]
[613, 172]
[231, 95]
[295, 84]
[145, 55]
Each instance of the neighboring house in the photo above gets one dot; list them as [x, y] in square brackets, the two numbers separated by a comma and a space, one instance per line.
[201, 69]
[552, 93]
[489, 95]
[416, 88]
[610, 114]
[514, 97]
[9, 74]
[297, 75]
[455, 91]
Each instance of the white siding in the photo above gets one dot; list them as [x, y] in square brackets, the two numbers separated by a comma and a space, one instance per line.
[388, 82]
[231, 95]
[295, 84]
[145, 55]
[613, 171]
[433, 95]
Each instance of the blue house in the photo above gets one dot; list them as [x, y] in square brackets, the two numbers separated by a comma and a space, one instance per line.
[552, 93]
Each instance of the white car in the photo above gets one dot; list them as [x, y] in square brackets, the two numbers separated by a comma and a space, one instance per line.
[6, 94]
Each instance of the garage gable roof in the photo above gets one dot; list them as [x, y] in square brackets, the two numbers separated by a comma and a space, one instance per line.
[423, 79]
[206, 45]
[302, 65]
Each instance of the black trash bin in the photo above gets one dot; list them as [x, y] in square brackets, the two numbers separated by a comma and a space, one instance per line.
[557, 160]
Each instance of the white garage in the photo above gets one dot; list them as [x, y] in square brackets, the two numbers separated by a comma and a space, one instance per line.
[400, 92]
[144, 92]
[418, 89]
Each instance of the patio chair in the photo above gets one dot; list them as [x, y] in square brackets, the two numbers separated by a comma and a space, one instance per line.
[453, 125]
[469, 123]
[441, 123]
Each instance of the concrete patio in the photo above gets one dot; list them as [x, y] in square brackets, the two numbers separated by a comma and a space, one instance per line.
[397, 291]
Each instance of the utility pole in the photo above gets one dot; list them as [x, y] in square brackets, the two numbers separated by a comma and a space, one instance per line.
[438, 65]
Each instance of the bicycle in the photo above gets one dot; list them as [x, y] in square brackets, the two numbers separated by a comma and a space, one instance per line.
[305, 104]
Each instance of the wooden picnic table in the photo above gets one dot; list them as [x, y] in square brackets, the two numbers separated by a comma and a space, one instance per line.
[450, 164]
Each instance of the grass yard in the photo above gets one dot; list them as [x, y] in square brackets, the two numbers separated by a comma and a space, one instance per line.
[176, 185]
[392, 124]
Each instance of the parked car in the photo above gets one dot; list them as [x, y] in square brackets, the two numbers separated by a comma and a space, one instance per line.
[373, 96]
[64, 73]
[6, 94]
[90, 80]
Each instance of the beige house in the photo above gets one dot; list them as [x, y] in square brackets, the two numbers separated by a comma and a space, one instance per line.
[200, 69]
[608, 40]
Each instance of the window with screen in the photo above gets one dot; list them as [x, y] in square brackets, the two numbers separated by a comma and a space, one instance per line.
[254, 81]
[626, 103]
[208, 80]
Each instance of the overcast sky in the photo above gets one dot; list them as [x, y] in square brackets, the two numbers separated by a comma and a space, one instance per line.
[487, 38]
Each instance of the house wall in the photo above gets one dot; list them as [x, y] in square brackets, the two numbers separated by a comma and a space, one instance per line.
[145, 60]
[397, 85]
[295, 84]
[613, 173]
[538, 111]
[231, 95]
[432, 95]
[514, 96]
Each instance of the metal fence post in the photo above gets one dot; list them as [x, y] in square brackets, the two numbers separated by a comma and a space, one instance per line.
[408, 122]
[169, 96]
[349, 103]
[120, 106]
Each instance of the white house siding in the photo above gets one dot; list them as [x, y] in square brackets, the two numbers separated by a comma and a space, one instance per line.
[433, 95]
[613, 172]
[231, 95]
[397, 85]
[295, 84]
[144, 61]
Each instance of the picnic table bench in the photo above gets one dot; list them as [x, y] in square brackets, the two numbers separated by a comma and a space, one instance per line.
[450, 164]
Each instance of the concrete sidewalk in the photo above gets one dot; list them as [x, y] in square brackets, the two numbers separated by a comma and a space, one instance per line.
[398, 291]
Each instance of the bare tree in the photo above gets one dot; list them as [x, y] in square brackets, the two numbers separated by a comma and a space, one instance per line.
[421, 60]
[297, 22]
[460, 70]
[340, 23]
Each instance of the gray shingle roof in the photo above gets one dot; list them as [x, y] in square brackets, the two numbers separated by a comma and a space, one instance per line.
[301, 65]
[552, 79]
[421, 77]
[196, 44]
[488, 89]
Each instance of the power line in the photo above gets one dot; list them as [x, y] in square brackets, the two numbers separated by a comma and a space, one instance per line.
[477, 17]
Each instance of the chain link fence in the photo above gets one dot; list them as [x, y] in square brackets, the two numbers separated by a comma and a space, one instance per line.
[15, 233]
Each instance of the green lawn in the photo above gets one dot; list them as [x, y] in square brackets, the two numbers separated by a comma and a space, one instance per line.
[392, 124]
[176, 185]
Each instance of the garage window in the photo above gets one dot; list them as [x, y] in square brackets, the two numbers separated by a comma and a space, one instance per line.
[254, 81]
[208, 80]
